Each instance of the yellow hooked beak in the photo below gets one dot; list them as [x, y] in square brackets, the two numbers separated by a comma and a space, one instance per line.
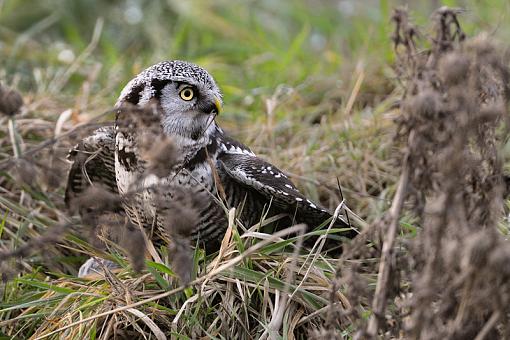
[217, 103]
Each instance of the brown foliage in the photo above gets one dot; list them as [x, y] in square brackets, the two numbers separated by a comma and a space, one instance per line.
[456, 98]
[450, 281]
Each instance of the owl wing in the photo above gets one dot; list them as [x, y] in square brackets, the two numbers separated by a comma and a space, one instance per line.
[93, 162]
[241, 165]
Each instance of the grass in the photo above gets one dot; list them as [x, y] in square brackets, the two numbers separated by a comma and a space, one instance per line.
[308, 85]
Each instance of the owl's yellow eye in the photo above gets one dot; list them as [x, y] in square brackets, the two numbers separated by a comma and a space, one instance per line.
[187, 93]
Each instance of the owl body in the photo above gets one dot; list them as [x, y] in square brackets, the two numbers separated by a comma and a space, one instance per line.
[152, 192]
[130, 177]
[198, 163]
[209, 163]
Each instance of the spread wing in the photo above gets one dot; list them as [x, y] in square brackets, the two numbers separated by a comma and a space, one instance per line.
[246, 169]
[93, 162]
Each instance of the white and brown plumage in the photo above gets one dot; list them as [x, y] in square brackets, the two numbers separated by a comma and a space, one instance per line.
[188, 100]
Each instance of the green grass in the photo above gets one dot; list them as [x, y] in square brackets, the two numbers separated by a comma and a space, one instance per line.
[306, 56]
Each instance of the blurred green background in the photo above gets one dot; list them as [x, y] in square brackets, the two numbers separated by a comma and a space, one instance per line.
[251, 47]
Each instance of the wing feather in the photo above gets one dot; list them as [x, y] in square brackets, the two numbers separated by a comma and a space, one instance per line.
[273, 184]
[93, 162]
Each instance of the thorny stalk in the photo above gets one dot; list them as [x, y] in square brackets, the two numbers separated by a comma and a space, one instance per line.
[387, 256]
[455, 100]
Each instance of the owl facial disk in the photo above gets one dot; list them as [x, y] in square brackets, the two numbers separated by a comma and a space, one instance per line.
[187, 97]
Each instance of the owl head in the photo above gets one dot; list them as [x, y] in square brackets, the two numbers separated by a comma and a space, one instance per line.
[186, 95]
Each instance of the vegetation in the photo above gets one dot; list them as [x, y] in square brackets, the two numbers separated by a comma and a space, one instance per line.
[326, 90]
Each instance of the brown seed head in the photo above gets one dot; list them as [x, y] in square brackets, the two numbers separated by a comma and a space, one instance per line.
[25, 172]
[180, 216]
[10, 101]
[478, 246]
[454, 68]
[425, 104]
[96, 200]
[134, 244]
[161, 155]
[181, 258]
[133, 117]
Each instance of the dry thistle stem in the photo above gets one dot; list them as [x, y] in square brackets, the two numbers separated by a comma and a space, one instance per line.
[456, 99]
[180, 216]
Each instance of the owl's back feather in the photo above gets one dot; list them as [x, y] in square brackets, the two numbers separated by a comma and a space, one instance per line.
[93, 163]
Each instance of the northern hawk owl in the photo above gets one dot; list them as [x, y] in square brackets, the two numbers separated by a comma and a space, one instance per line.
[187, 101]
